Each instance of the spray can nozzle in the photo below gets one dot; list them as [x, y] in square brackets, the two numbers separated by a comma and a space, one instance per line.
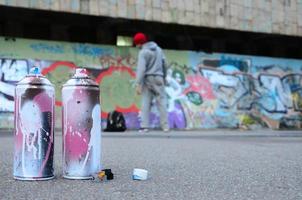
[81, 73]
[35, 71]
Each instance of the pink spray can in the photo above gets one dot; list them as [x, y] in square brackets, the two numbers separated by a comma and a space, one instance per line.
[34, 128]
[81, 127]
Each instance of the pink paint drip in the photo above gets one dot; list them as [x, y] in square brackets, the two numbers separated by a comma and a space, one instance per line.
[76, 145]
[44, 101]
[46, 104]
[19, 137]
[77, 136]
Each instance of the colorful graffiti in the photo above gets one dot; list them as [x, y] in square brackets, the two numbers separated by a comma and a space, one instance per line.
[269, 95]
[11, 71]
[204, 90]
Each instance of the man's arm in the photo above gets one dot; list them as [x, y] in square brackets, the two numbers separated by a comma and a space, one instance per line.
[165, 67]
[141, 68]
[140, 72]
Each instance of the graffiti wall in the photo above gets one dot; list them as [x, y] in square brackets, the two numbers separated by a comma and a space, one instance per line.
[203, 90]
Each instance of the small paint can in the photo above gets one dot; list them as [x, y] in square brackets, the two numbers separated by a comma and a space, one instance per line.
[139, 174]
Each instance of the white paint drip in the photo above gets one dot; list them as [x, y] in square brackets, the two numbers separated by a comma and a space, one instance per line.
[94, 145]
[31, 124]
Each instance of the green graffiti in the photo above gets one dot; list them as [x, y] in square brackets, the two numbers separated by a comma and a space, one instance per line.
[195, 98]
[117, 90]
[179, 76]
[247, 120]
[58, 77]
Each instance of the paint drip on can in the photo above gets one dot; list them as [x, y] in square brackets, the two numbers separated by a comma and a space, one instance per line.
[34, 128]
[81, 127]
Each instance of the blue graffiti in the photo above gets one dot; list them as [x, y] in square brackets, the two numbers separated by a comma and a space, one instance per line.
[294, 81]
[46, 48]
[242, 65]
[89, 50]
[270, 93]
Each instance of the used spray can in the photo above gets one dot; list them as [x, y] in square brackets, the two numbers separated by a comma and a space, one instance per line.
[34, 128]
[81, 127]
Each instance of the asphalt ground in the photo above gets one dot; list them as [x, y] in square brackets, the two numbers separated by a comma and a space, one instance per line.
[216, 164]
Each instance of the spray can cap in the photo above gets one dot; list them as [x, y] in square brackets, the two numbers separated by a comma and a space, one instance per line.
[81, 77]
[81, 73]
[34, 77]
[35, 71]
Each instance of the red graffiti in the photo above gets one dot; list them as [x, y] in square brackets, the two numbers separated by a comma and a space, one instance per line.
[200, 85]
[112, 69]
[109, 61]
[57, 64]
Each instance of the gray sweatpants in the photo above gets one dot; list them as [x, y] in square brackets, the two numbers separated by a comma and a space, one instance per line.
[154, 87]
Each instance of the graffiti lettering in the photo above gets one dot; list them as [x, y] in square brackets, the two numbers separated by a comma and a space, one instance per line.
[11, 71]
[110, 61]
[90, 50]
[275, 96]
[229, 88]
[294, 81]
[270, 92]
[46, 48]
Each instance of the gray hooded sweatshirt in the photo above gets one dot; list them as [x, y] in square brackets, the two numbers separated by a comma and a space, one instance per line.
[151, 61]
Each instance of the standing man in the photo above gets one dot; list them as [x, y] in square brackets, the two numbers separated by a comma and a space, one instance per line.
[150, 80]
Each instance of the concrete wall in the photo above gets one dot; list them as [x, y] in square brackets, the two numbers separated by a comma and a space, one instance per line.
[205, 90]
[268, 16]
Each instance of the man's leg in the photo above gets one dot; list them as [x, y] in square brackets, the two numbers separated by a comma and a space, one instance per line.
[146, 106]
[161, 99]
